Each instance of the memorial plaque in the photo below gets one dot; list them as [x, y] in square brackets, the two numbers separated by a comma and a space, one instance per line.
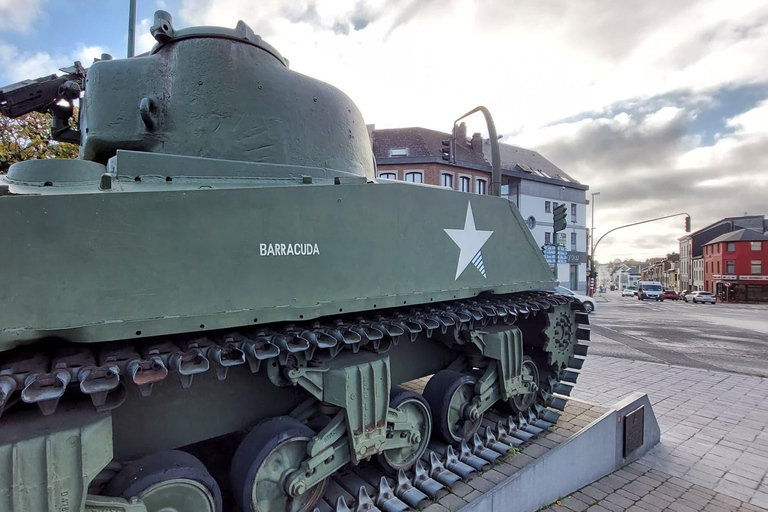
[633, 431]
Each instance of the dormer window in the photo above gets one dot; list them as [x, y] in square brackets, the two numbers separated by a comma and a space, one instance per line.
[398, 152]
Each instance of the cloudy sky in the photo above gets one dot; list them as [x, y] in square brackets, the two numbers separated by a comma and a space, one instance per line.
[660, 106]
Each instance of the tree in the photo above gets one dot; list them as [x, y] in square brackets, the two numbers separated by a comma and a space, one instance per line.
[29, 137]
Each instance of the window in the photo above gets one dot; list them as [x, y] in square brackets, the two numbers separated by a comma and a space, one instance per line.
[398, 152]
[464, 183]
[573, 240]
[547, 207]
[388, 175]
[446, 180]
[757, 267]
[480, 186]
[718, 267]
[414, 177]
[730, 267]
[573, 212]
[547, 238]
[757, 246]
[731, 246]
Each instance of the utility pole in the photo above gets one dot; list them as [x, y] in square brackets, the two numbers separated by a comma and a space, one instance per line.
[131, 28]
[592, 282]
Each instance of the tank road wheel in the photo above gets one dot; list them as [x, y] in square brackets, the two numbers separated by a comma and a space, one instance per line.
[450, 396]
[262, 463]
[168, 481]
[416, 409]
[521, 403]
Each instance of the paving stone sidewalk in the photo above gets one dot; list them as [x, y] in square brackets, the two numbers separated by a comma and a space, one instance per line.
[639, 488]
[714, 437]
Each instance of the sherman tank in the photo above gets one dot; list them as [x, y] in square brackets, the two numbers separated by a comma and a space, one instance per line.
[213, 307]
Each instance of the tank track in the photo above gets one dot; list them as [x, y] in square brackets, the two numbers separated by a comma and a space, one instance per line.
[42, 377]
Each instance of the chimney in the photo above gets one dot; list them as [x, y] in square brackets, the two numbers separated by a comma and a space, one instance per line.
[477, 143]
[461, 134]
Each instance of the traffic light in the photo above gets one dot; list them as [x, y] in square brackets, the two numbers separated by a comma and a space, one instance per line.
[687, 223]
[449, 150]
[560, 213]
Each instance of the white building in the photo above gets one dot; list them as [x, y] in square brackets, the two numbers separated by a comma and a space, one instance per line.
[697, 270]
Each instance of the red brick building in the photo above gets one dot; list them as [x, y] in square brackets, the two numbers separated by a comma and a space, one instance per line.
[736, 266]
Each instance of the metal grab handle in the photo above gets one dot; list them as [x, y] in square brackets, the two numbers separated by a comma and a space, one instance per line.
[148, 112]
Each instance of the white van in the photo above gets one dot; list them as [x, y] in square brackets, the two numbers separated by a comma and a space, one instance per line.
[649, 290]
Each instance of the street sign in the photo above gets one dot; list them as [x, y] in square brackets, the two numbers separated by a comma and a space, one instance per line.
[549, 254]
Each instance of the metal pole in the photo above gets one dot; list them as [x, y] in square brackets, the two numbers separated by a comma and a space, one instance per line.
[495, 155]
[131, 28]
[592, 250]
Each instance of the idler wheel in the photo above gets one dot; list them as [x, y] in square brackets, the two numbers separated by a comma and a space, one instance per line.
[265, 459]
[521, 403]
[168, 481]
[450, 396]
[416, 410]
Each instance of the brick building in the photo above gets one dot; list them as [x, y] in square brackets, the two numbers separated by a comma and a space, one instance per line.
[736, 266]
[529, 180]
[692, 245]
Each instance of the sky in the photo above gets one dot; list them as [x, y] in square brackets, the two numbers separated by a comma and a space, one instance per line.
[661, 107]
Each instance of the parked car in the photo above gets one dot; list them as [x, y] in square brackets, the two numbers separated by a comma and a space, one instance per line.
[589, 302]
[626, 292]
[701, 297]
[683, 294]
[670, 294]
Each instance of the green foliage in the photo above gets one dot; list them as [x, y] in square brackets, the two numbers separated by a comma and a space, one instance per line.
[513, 450]
[27, 138]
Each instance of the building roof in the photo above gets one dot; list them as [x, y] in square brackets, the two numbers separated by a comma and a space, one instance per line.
[526, 160]
[740, 235]
[745, 221]
[424, 146]
[420, 143]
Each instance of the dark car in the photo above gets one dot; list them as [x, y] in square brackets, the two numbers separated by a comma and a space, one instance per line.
[670, 294]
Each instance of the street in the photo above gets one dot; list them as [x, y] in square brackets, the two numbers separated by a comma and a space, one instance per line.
[729, 337]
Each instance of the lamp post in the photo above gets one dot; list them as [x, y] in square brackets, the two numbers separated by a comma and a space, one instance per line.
[592, 248]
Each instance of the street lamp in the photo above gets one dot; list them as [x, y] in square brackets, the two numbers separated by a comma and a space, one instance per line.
[592, 248]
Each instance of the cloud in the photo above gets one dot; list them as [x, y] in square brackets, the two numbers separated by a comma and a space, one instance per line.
[19, 17]
[648, 165]
[144, 40]
[18, 65]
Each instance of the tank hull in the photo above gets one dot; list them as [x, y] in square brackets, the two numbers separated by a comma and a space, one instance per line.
[152, 258]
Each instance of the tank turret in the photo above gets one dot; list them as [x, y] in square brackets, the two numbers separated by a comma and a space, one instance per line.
[220, 93]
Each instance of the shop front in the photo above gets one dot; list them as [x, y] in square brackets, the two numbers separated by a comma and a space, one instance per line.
[745, 288]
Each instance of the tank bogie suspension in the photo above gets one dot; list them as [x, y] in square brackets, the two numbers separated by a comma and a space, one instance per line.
[352, 412]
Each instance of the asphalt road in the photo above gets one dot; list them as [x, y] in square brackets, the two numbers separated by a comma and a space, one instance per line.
[731, 337]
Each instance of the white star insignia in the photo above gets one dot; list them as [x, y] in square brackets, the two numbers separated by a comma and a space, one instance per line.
[470, 241]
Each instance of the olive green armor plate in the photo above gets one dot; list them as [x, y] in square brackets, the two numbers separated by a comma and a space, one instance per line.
[157, 257]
